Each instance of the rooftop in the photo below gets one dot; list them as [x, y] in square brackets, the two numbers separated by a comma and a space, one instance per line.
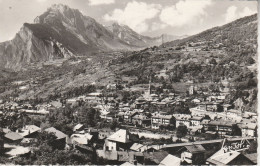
[170, 160]
[195, 148]
[121, 135]
[223, 158]
[13, 136]
[56, 132]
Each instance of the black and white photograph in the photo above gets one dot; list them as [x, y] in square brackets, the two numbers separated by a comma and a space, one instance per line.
[128, 82]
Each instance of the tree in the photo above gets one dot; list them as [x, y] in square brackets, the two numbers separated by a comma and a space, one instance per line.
[249, 60]
[213, 61]
[182, 131]
[114, 125]
[236, 131]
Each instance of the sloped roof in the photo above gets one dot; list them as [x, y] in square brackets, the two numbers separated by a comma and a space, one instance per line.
[195, 148]
[252, 157]
[223, 158]
[127, 164]
[170, 160]
[156, 157]
[136, 146]
[251, 126]
[6, 130]
[13, 136]
[29, 129]
[81, 138]
[78, 126]
[121, 135]
[56, 132]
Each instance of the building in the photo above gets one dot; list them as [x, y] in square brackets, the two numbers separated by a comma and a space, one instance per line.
[78, 127]
[155, 158]
[136, 147]
[141, 120]
[119, 141]
[196, 121]
[29, 131]
[81, 139]
[61, 138]
[194, 154]
[160, 119]
[182, 119]
[127, 116]
[220, 126]
[170, 160]
[248, 129]
[229, 158]
[13, 138]
[191, 90]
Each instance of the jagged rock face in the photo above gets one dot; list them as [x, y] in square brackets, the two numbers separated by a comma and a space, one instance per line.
[26, 48]
[59, 32]
[86, 29]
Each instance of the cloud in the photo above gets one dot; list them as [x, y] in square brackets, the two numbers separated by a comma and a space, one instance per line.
[135, 15]
[232, 13]
[185, 12]
[41, 0]
[157, 26]
[100, 2]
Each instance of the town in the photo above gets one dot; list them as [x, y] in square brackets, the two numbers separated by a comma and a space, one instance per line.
[152, 129]
[141, 83]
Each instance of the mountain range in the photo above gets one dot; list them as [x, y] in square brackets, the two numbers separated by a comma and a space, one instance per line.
[62, 32]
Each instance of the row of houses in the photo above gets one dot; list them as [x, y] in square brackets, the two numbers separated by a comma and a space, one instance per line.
[120, 148]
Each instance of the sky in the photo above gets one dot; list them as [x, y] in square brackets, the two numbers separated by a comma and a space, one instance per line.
[147, 17]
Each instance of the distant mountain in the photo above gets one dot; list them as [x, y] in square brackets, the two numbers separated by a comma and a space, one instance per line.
[131, 37]
[128, 35]
[57, 33]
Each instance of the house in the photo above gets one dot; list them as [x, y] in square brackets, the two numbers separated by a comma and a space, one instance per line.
[128, 116]
[141, 120]
[81, 139]
[136, 147]
[170, 160]
[140, 102]
[226, 107]
[229, 158]
[94, 97]
[194, 154]
[195, 101]
[78, 127]
[121, 157]
[112, 86]
[159, 119]
[56, 104]
[234, 112]
[248, 129]
[191, 90]
[109, 117]
[195, 121]
[119, 141]
[155, 158]
[221, 126]
[61, 138]
[13, 138]
[183, 119]
[29, 131]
